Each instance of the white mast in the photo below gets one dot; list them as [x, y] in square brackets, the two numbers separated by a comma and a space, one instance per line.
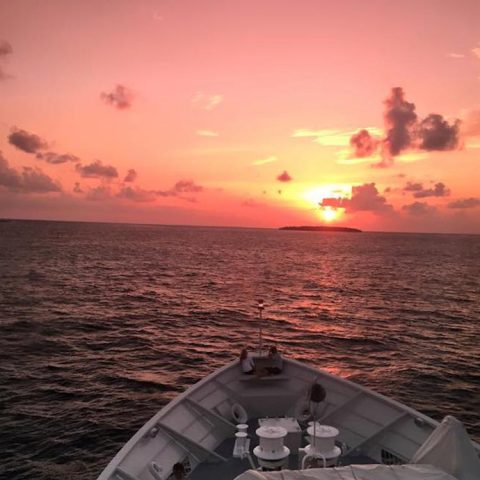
[260, 307]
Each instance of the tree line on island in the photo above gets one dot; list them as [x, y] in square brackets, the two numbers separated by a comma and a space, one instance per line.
[320, 228]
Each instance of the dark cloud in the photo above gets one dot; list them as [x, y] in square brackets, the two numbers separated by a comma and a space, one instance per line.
[97, 170]
[363, 144]
[181, 188]
[137, 194]
[121, 97]
[435, 133]
[5, 50]
[32, 143]
[187, 186]
[9, 177]
[30, 180]
[399, 118]
[284, 177]
[403, 131]
[25, 141]
[250, 203]
[413, 187]
[98, 194]
[131, 176]
[465, 203]
[35, 181]
[57, 158]
[364, 198]
[334, 202]
[419, 209]
[439, 190]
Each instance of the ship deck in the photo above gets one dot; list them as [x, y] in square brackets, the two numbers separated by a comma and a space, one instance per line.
[233, 467]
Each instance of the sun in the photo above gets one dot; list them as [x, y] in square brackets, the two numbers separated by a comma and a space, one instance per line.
[315, 196]
[329, 214]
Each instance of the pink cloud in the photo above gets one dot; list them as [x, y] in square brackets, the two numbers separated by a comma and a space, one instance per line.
[284, 177]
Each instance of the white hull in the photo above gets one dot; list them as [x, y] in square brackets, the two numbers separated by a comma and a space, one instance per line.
[196, 422]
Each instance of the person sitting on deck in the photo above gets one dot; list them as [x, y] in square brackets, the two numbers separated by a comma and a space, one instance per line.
[246, 362]
[276, 361]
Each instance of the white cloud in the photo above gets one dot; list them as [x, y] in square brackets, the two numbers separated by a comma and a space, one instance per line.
[455, 55]
[476, 52]
[345, 158]
[331, 137]
[207, 101]
[470, 126]
[263, 161]
[207, 133]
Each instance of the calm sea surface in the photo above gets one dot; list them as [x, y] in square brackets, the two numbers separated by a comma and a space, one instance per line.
[101, 325]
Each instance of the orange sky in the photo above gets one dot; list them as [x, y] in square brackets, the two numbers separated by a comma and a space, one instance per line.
[242, 113]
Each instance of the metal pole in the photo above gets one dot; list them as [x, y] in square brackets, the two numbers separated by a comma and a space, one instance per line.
[260, 339]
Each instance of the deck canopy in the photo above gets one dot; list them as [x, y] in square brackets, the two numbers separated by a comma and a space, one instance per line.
[354, 472]
[450, 448]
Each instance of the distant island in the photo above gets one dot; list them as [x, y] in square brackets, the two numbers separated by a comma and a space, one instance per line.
[323, 228]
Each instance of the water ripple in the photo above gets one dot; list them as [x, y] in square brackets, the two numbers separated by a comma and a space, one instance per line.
[102, 325]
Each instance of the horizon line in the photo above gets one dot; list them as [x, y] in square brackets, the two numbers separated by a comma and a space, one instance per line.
[3, 219]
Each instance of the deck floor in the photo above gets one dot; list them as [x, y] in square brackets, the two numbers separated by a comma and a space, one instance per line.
[234, 466]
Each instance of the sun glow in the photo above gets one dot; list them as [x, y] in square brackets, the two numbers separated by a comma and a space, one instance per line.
[329, 214]
[317, 194]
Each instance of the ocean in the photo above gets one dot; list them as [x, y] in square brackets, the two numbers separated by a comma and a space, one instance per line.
[102, 324]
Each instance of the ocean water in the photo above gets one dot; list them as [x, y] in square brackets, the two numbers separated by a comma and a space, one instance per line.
[101, 325]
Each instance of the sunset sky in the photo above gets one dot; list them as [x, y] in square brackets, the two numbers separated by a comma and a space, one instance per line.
[256, 113]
